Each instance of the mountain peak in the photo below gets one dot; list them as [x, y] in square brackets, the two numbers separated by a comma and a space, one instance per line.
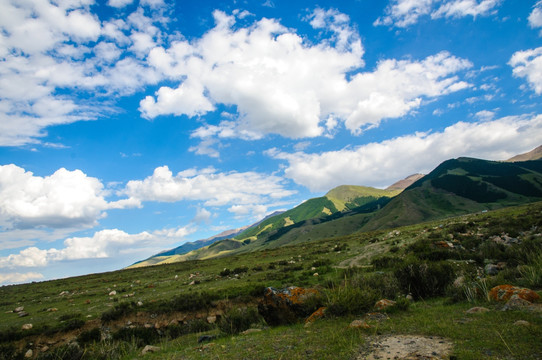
[406, 182]
[534, 154]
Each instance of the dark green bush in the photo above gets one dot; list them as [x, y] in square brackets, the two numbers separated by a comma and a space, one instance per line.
[349, 300]
[140, 335]
[386, 262]
[225, 272]
[191, 327]
[66, 352]
[238, 320]
[423, 279]
[89, 336]
[118, 312]
[9, 352]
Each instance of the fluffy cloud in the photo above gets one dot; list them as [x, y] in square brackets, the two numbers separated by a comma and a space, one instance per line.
[215, 189]
[403, 13]
[528, 64]
[535, 18]
[63, 199]
[103, 244]
[50, 46]
[15, 278]
[381, 164]
[267, 72]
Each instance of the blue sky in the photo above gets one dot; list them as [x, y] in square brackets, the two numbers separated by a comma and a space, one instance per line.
[131, 126]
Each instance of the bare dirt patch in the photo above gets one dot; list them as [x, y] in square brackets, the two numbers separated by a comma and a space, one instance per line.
[406, 347]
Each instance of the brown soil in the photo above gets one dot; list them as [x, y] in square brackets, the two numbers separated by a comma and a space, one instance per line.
[406, 347]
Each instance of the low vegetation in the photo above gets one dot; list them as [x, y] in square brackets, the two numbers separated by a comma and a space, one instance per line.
[434, 272]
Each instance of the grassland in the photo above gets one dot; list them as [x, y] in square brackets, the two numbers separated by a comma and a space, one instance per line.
[169, 305]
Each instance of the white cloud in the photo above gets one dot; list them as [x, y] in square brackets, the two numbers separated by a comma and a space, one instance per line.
[16, 278]
[485, 115]
[215, 189]
[103, 244]
[267, 72]
[535, 18]
[462, 8]
[381, 164]
[403, 13]
[63, 199]
[254, 211]
[528, 64]
[119, 3]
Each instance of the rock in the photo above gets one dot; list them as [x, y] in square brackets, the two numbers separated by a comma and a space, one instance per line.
[359, 324]
[522, 323]
[376, 316]
[139, 303]
[315, 274]
[318, 314]
[18, 309]
[516, 303]
[251, 331]
[211, 319]
[64, 293]
[286, 306]
[205, 338]
[28, 354]
[459, 282]
[113, 293]
[491, 269]
[26, 326]
[193, 282]
[52, 310]
[23, 314]
[45, 348]
[477, 310]
[506, 292]
[150, 349]
[384, 304]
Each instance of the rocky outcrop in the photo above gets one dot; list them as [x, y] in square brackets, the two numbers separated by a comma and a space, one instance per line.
[287, 306]
[384, 304]
[506, 292]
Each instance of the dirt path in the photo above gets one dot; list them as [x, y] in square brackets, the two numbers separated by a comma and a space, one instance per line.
[406, 347]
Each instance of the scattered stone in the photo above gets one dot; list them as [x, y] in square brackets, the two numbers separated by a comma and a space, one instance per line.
[26, 326]
[359, 324]
[193, 282]
[176, 277]
[315, 274]
[147, 326]
[522, 323]
[384, 304]
[23, 314]
[64, 293]
[45, 348]
[376, 316]
[285, 306]
[18, 309]
[459, 282]
[491, 269]
[113, 293]
[407, 347]
[506, 292]
[516, 303]
[211, 319]
[139, 303]
[318, 314]
[477, 310]
[205, 338]
[251, 331]
[29, 354]
[150, 349]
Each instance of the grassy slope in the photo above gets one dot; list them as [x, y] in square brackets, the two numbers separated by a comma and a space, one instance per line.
[484, 336]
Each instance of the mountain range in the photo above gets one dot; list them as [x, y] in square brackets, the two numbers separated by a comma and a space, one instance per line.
[455, 187]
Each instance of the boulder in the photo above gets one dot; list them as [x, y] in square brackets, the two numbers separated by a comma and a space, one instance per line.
[26, 327]
[286, 306]
[506, 292]
[491, 269]
[359, 324]
[318, 314]
[149, 349]
[384, 304]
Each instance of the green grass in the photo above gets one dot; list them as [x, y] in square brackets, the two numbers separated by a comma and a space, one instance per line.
[165, 293]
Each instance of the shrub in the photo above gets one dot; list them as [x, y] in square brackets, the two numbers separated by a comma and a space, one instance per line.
[386, 262]
[66, 352]
[424, 280]
[117, 312]
[225, 272]
[194, 326]
[238, 320]
[9, 352]
[89, 336]
[349, 300]
[140, 335]
[385, 284]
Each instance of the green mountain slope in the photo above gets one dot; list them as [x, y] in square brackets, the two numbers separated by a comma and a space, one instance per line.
[462, 186]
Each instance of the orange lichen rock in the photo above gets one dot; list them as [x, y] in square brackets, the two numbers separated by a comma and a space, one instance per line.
[384, 304]
[318, 314]
[507, 292]
[287, 306]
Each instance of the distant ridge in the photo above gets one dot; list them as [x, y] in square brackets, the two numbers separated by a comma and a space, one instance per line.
[531, 155]
[406, 182]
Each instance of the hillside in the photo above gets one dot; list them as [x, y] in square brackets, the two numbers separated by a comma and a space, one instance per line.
[406, 182]
[462, 186]
[534, 154]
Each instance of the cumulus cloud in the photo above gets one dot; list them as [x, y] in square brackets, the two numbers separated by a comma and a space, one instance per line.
[47, 46]
[15, 278]
[403, 13]
[63, 199]
[267, 72]
[535, 18]
[528, 64]
[207, 185]
[103, 244]
[381, 164]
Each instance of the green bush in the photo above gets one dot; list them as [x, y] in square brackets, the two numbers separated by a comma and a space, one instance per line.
[66, 352]
[349, 300]
[140, 335]
[89, 336]
[424, 280]
[9, 352]
[238, 320]
[191, 327]
[117, 312]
